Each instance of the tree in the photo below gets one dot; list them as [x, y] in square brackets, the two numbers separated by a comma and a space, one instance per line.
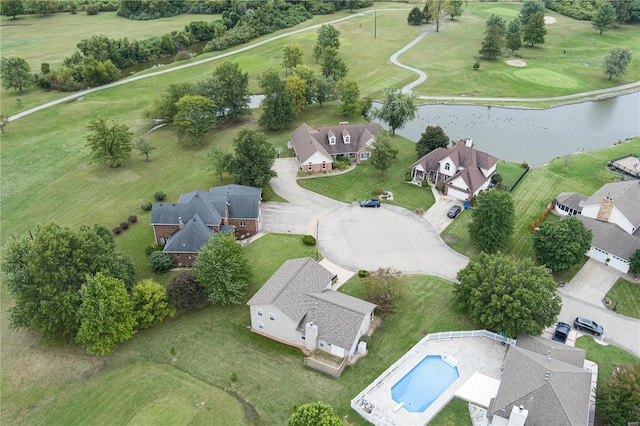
[254, 158]
[223, 269]
[150, 303]
[492, 219]
[228, 88]
[433, 137]
[535, 30]
[165, 108]
[291, 56]
[634, 262]
[105, 314]
[514, 36]
[43, 7]
[309, 77]
[436, 10]
[508, 295]
[397, 109]
[278, 109]
[349, 93]
[298, 89]
[110, 143]
[382, 152]
[325, 89]
[332, 65]
[530, 8]
[3, 123]
[416, 17]
[12, 7]
[617, 61]
[491, 44]
[160, 262]
[185, 293]
[617, 398]
[221, 160]
[96, 73]
[195, 116]
[382, 287]
[605, 17]
[561, 244]
[455, 8]
[328, 36]
[144, 147]
[497, 21]
[314, 414]
[16, 73]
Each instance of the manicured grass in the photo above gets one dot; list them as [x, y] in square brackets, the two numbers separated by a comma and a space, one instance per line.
[447, 57]
[363, 181]
[455, 413]
[625, 296]
[568, 275]
[607, 357]
[510, 173]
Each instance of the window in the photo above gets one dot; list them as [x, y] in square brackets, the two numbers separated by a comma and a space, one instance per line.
[347, 139]
[447, 166]
[260, 325]
[259, 312]
[272, 316]
[321, 343]
[332, 140]
[310, 166]
[364, 155]
[324, 165]
[303, 337]
[243, 223]
[178, 255]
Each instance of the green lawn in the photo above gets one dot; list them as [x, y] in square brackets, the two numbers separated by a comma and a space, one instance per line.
[607, 357]
[455, 413]
[625, 296]
[510, 173]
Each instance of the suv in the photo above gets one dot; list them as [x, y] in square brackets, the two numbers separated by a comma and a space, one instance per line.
[454, 212]
[588, 325]
[562, 332]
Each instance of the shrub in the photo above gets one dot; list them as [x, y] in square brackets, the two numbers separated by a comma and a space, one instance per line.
[160, 262]
[407, 176]
[185, 293]
[476, 66]
[146, 206]
[267, 193]
[496, 178]
[379, 190]
[132, 219]
[440, 186]
[425, 183]
[309, 240]
[92, 9]
[150, 303]
[117, 230]
[160, 196]
[150, 249]
[124, 225]
[525, 165]
[363, 274]
[183, 55]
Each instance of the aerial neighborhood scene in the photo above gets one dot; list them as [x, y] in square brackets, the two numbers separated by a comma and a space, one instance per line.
[318, 212]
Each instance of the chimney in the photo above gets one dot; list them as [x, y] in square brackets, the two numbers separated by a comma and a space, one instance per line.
[469, 142]
[310, 336]
[605, 210]
[518, 416]
[180, 224]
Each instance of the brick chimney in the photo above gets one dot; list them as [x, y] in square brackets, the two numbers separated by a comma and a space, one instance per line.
[605, 210]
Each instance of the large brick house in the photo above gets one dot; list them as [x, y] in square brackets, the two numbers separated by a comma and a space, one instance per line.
[317, 147]
[464, 170]
[185, 226]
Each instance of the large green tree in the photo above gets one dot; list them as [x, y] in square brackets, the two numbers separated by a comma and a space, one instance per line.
[105, 314]
[12, 7]
[16, 73]
[514, 35]
[617, 61]
[298, 89]
[491, 44]
[278, 109]
[497, 21]
[325, 89]
[415, 17]
[43, 7]
[223, 269]
[383, 152]
[508, 295]
[314, 414]
[332, 65]
[96, 73]
[384, 286]
[221, 160]
[165, 107]
[561, 244]
[291, 56]
[309, 77]
[195, 117]
[45, 270]
[436, 10]
[110, 143]
[534, 30]
[617, 399]
[228, 88]
[529, 8]
[605, 17]
[398, 109]
[433, 137]
[150, 303]
[328, 36]
[455, 8]
[349, 93]
[492, 219]
[254, 158]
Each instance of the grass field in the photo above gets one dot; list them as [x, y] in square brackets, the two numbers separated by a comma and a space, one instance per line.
[510, 173]
[455, 413]
[625, 296]
[607, 357]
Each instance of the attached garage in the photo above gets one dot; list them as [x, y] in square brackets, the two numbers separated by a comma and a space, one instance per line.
[461, 195]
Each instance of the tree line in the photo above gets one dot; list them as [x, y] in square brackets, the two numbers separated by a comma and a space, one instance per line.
[626, 11]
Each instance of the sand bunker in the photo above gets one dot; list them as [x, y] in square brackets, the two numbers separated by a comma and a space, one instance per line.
[549, 20]
[516, 63]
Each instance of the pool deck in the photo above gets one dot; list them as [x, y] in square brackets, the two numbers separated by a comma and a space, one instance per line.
[473, 354]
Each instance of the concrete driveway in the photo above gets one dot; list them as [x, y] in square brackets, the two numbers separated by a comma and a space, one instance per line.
[437, 214]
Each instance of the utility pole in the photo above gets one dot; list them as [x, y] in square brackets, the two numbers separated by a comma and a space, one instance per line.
[375, 23]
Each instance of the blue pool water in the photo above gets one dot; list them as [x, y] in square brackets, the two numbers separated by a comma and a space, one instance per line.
[424, 383]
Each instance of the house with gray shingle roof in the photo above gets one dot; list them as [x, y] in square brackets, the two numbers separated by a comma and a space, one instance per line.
[297, 306]
[317, 147]
[612, 213]
[464, 170]
[184, 227]
[543, 383]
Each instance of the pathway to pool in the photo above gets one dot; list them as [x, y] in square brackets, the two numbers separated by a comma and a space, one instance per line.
[478, 355]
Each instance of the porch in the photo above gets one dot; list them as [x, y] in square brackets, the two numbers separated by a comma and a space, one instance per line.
[326, 363]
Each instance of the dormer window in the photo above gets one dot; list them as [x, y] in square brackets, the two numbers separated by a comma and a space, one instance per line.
[332, 140]
[347, 139]
[447, 166]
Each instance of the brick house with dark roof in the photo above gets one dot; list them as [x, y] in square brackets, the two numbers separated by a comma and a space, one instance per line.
[317, 147]
[187, 225]
[297, 306]
[464, 170]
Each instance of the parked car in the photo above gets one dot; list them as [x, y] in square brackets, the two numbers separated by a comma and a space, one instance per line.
[588, 325]
[562, 332]
[370, 203]
[454, 212]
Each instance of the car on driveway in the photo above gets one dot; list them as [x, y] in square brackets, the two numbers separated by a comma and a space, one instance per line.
[588, 325]
[370, 203]
[454, 212]
[562, 332]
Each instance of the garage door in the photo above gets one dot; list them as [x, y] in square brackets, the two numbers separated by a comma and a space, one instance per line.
[456, 193]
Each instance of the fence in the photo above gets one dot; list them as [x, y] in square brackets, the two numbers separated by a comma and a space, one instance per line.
[542, 216]
[613, 163]
[519, 179]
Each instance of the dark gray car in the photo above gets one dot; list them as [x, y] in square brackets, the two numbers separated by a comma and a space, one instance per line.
[588, 325]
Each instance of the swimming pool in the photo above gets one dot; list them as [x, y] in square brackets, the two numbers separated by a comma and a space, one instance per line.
[424, 383]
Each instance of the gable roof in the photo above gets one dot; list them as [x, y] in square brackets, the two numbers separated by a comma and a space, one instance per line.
[308, 140]
[556, 350]
[625, 195]
[190, 238]
[244, 201]
[554, 392]
[572, 200]
[610, 237]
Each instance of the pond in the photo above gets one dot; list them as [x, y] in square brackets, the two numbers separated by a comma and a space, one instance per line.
[533, 135]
